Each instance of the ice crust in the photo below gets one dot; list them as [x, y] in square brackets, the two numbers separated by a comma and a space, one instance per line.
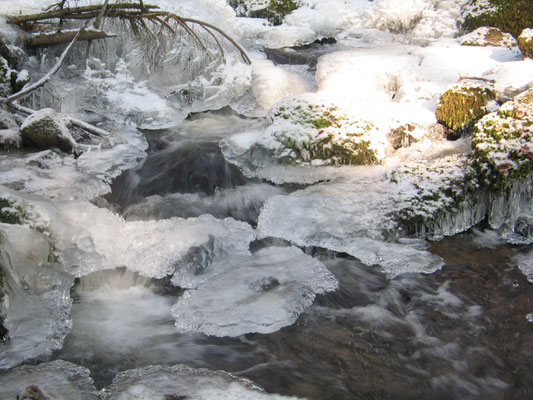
[274, 286]
[57, 380]
[37, 303]
[154, 382]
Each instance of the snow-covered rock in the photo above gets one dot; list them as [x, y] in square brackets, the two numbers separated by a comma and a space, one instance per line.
[525, 42]
[488, 36]
[46, 129]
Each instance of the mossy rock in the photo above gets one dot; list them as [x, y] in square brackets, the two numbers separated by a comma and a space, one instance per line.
[5, 78]
[11, 213]
[441, 187]
[463, 104]
[510, 16]
[488, 36]
[503, 143]
[46, 129]
[525, 43]
[272, 10]
[309, 130]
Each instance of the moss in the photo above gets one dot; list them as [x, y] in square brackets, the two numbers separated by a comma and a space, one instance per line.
[503, 143]
[525, 43]
[461, 106]
[275, 11]
[510, 16]
[10, 213]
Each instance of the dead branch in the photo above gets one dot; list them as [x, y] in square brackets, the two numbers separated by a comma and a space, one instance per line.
[137, 14]
[66, 37]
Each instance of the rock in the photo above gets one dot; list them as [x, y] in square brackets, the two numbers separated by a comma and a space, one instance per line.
[525, 42]
[487, 36]
[5, 78]
[46, 129]
[311, 129]
[503, 142]
[10, 139]
[464, 103]
[510, 16]
[273, 10]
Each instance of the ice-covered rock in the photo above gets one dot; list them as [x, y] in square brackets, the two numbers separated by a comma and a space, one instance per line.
[464, 103]
[54, 380]
[488, 36]
[46, 129]
[261, 293]
[273, 10]
[36, 300]
[10, 139]
[309, 128]
[182, 382]
[525, 42]
[502, 142]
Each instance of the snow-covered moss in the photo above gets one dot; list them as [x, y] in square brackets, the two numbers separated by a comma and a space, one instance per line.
[46, 129]
[503, 142]
[509, 15]
[464, 103]
[433, 191]
[273, 10]
[307, 129]
[525, 42]
[10, 212]
[488, 36]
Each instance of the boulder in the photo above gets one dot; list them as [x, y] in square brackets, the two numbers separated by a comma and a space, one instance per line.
[464, 103]
[510, 16]
[311, 129]
[273, 10]
[5, 78]
[46, 129]
[525, 42]
[503, 142]
[488, 36]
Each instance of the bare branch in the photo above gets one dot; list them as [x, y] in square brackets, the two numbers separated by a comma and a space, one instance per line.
[66, 37]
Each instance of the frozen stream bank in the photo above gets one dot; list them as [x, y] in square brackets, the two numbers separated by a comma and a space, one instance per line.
[209, 248]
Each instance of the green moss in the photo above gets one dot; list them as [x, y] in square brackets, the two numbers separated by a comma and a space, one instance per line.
[275, 11]
[461, 106]
[526, 46]
[10, 213]
[510, 16]
[321, 123]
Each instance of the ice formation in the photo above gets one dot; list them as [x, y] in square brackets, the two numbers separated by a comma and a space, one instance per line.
[180, 381]
[259, 293]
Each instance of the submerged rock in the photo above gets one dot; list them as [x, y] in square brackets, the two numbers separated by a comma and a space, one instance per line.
[509, 16]
[308, 129]
[503, 142]
[46, 129]
[487, 36]
[464, 103]
[525, 42]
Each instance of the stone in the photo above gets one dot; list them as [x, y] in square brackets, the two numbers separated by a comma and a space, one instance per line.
[525, 42]
[510, 16]
[503, 142]
[46, 129]
[464, 103]
[311, 129]
[488, 36]
[272, 10]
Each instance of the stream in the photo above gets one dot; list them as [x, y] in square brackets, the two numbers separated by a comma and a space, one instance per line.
[196, 253]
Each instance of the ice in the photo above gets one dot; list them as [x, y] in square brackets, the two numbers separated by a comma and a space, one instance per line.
[57, 380]
[259, 293]
[272, 83]
[180, 381]
[89, 238]
[37, 302]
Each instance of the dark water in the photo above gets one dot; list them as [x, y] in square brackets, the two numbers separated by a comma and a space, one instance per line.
[460, 333]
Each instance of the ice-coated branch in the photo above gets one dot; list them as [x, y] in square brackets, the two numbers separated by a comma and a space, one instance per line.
[28, 89]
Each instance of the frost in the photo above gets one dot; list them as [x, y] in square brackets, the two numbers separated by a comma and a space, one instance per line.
[259, 293]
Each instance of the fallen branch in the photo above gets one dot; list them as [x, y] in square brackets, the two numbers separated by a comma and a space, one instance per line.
[66, 37]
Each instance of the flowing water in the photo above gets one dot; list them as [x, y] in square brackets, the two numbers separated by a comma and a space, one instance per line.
[178, 260]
